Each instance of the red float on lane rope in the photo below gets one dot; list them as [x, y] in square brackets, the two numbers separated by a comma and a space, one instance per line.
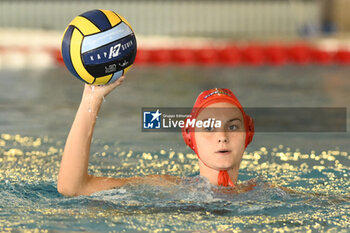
[342, 57]
[299, 54]
[230, 56]
[183, 56]
[160, 57]
[276, 55]
[207, 56]
[253, 55]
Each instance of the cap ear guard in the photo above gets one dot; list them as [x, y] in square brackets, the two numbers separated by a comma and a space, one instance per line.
[187, 136]
[250, 130]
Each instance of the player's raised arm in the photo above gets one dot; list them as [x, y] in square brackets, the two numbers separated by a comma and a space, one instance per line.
[73, 177]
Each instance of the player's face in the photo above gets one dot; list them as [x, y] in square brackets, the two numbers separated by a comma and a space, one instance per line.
[221, 148]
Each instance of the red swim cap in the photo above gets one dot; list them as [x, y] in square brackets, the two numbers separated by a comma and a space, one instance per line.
[205, 99]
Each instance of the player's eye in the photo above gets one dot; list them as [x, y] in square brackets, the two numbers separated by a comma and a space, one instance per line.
[233, 127]
[209, 129]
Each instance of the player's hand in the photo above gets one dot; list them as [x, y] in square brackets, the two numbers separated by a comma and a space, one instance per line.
[101, 91]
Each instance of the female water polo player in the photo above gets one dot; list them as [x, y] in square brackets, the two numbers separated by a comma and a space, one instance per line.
[219, 149]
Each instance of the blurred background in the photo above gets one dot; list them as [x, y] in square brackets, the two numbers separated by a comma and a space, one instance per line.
[275, 30]
[233, 19]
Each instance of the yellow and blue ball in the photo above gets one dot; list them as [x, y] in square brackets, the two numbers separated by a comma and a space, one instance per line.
[98, 47]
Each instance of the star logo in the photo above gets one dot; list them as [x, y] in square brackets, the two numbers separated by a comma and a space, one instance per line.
[156, 115]
[151, 120]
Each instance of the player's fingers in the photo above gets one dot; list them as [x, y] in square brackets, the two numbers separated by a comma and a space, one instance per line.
[120, 80]
[110, 87]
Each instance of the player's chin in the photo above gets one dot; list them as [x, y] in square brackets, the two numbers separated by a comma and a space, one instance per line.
[224, 165]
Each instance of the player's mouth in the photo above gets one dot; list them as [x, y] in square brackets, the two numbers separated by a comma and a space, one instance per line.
[223, 152]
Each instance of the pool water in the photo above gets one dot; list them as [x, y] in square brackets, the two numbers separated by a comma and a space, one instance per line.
[38, 108]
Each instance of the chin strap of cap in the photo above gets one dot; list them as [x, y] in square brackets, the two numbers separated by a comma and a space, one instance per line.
[224, 179]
